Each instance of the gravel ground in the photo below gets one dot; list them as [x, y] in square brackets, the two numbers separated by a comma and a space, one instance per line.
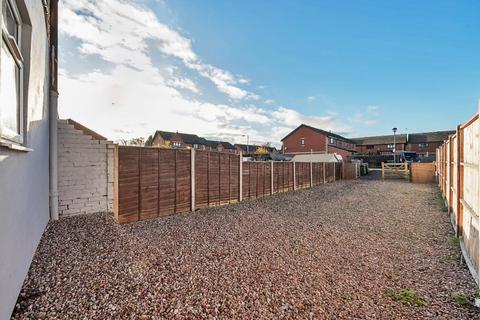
[332, 252]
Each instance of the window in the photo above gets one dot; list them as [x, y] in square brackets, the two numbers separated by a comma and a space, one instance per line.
[423, 145]
[390, 146]
[177, 144]
[302, 141]
[370, 147]
[11, 74]
[195, 146]
[332, 140]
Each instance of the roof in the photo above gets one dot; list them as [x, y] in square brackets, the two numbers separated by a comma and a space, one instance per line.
[436, 136]
[316, 157]
[214, 144]
[253, 147]
[399, 138]
[325, 133]
[186, 137]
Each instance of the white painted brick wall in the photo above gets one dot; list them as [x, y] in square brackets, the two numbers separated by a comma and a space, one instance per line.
[85, 172]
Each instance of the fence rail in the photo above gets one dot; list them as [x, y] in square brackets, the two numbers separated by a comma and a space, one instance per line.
[395, 170]
[458, 172]
[153, 182]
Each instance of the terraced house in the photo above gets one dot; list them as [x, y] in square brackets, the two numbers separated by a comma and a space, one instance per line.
[28, 127]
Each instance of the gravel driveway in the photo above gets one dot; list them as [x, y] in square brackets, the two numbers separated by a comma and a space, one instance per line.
[352, 249]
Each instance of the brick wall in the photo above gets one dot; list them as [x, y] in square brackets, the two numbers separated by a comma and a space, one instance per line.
[85, 171]
[313, 141]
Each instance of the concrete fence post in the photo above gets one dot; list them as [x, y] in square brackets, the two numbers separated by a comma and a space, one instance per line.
[192, 178]
[271, 177]
[240, 178]
[294, 177]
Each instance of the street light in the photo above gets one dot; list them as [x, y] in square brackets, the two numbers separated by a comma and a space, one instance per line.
[394, 145]
[246, 135]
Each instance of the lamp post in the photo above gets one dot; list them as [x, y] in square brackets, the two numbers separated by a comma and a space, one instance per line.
[394, 145]
[248, 140]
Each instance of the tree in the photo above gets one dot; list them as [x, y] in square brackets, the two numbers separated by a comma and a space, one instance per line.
[149, 141]
[132, 142]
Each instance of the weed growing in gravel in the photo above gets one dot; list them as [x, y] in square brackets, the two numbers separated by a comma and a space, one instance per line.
[455, 241]
[477, 294]
[460, 299]
[440, 201]
[406, 296]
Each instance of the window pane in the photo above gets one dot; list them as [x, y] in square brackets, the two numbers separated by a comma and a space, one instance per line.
[9, 93]
[9, 19]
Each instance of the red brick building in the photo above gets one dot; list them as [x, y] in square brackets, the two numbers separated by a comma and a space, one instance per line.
[307, 139]
[380, 144]
[424, 144]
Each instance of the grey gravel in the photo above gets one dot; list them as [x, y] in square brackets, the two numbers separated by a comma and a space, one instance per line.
[329, 252]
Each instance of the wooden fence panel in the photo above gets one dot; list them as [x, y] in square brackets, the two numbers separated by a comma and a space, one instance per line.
[214, 179]
[182, 181]
[201, 179]
[151, 182]
[458, 172]
[148, 183]
[471, 191]
[127, 183]
[166, 180]
[234, 178]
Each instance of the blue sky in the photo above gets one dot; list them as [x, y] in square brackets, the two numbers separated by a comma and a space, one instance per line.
[229, 68]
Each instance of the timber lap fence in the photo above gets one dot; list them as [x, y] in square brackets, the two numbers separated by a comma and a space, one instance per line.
[458, 171]
[153, 182]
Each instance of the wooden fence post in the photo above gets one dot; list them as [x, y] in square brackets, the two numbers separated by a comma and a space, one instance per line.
[192, 178]
[459, 212]
[383, 170]
[240, 178]
[271, 177]
[294, 177]
[311, 175]
[334, 173]
[324, 174]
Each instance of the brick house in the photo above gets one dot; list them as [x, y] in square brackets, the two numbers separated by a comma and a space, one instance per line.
[221, 146]
[425, 144]
[178, 140]
[307, 139]
[380, 144]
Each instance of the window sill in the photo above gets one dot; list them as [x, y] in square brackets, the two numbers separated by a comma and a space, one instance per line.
[13, 146]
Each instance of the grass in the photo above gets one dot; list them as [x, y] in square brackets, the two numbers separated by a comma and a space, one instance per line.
[460, 299]
[455, 241]
[406, 296]
[477, 294]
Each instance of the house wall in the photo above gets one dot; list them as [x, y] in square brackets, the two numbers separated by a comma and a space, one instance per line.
[377, 148]
[344, 153]
[24, 175]
[314, 141]
[431, 148]
[85, 172]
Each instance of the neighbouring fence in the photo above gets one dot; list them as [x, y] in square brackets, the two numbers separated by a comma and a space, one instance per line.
[458, 171]
[153, 182]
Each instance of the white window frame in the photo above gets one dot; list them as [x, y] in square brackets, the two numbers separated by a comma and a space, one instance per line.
[14, 49]
[390, 146]
[302, 141]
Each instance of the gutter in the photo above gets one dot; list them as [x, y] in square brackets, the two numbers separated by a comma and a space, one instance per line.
[53, 109]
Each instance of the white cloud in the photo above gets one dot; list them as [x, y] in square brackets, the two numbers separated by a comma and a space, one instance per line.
[138, 96]
[183, 83]
[311, 98]
[293, 118]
